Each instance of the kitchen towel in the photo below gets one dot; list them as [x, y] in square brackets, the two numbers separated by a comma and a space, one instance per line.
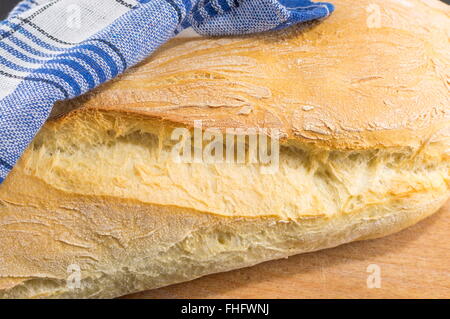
[52, 50]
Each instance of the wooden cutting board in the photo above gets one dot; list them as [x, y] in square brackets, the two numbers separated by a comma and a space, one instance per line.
[414, 263]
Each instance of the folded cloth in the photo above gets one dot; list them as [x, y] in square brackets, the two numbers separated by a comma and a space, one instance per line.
[52, 50]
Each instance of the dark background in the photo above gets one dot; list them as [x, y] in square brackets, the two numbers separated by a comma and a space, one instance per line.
[7, 5]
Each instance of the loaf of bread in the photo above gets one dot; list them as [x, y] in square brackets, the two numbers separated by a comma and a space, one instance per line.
[356, 107]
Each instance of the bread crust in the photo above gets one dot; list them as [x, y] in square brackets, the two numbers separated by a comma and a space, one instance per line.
[344, 83]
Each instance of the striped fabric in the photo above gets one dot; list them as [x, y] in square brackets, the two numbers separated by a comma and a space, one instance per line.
[53, 50]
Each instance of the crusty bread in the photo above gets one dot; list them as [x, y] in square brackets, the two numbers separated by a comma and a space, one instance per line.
[363, 121]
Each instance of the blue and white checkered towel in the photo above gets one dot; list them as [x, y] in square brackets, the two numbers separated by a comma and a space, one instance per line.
[53, 50]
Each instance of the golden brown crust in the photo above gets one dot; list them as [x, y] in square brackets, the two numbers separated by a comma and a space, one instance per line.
[123, 246]
[140, 227]
[365, 120]
[345, 83]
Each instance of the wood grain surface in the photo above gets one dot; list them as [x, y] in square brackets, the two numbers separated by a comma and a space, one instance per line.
[414, 263]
